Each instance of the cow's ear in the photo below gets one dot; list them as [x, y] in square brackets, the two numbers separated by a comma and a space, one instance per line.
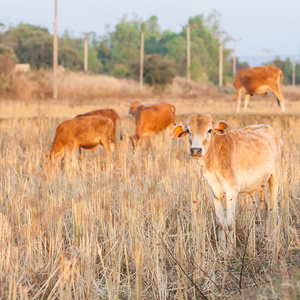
[178, 131]
[222, 127]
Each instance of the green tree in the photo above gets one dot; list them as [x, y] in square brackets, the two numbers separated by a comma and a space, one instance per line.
[159, 71]
[118, 52]
[70, 58]
[7, 63]
[32, 44]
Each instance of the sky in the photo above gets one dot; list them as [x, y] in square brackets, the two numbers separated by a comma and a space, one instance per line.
[260, 24]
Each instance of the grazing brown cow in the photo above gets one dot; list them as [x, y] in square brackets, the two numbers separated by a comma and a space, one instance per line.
[109, 113]
[258, 80]
[152, 120]
[135, 109]
[233, 162]
[85, 132]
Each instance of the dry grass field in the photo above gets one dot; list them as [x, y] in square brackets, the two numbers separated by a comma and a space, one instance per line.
[141, 226]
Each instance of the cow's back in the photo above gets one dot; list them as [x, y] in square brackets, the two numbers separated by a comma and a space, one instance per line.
[156, 117]
[253, 78]
[256, 152]
[106, 112]
[83, 127]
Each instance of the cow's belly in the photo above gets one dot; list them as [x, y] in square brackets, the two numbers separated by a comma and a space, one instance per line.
[89, 146]
[89, 143]
[247, 182]
[258, 90]
[251, 180]
[262, 89]
[154, 128]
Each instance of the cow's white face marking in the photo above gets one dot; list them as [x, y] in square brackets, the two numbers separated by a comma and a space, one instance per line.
[200, 130]
[197, 144]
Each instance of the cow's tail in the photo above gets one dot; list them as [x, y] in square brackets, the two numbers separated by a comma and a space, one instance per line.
[120, 125]
[280, 79]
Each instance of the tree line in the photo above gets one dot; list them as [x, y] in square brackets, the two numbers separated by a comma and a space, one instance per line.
[117, 53]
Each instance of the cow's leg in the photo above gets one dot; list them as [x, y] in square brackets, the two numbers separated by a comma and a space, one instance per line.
[262, 199]
[152, 141]
[81, 153]
[239, 98]
[273, 184]
[168, 129]
[247, 98]
[219, 209]
[70, 154]
[144, 141]
[231, 200]
[272, 205]
[112, 133]
[106, 144]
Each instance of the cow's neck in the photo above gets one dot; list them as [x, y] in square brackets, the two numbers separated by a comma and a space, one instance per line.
[212, 157]
[138, 112]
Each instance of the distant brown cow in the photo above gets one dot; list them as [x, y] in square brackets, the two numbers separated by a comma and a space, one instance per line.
[258, 80]
[152, 120]
[109, 113]
[135, 109]
[233, 162]
[85, 132]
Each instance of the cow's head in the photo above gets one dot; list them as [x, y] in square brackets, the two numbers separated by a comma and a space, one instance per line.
[200, 129]
[135, 108]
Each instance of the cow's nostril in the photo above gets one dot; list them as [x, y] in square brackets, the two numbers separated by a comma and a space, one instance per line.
[195, 150]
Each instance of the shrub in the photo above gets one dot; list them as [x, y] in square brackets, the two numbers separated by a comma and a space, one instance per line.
[7, 59]
[158, 71]
[119, 71]
[70, 58]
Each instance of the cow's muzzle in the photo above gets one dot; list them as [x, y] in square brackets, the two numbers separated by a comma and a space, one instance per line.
[196, 152]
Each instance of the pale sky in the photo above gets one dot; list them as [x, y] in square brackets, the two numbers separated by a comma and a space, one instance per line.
[261, 24]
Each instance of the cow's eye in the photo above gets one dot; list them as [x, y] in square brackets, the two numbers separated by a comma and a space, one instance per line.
[209, 131]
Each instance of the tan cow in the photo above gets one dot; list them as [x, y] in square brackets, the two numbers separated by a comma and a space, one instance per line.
[258, 80]
[109, 113]
[233, 162]
[152, 120]
[85, 132]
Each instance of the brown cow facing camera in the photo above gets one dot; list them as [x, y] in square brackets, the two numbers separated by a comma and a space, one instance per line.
[258, 80]
[135, 109]
[233, 162]
[152, 120]
[83, 132]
